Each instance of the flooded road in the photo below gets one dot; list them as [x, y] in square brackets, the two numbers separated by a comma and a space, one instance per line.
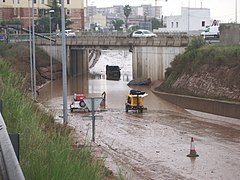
[153, 144]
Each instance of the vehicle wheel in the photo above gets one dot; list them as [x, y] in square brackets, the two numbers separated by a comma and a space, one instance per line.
[141, 111]
[82, 104]
[126, 109]
[71, 110]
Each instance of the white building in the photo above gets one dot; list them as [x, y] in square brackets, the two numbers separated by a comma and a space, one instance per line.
[191, 19]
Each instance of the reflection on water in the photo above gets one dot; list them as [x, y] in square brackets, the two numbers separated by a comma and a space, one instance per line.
[94, 86]
[116, 92]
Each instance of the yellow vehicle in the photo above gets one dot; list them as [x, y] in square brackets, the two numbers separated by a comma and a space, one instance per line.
[135, 101]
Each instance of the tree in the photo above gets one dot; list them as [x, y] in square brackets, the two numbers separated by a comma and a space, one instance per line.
[117, 23]
[127, 11]
[42, 25]
[155, 23]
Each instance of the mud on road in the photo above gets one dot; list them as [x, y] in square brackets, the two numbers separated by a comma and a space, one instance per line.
[154, 144]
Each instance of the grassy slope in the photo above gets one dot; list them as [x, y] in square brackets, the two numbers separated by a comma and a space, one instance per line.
[45, 147]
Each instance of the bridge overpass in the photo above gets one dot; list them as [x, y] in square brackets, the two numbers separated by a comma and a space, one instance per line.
[150, 56]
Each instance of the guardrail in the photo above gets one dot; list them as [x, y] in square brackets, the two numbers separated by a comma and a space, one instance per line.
[9, 165]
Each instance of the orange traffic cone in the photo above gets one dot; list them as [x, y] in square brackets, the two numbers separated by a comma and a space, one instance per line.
[193, 152]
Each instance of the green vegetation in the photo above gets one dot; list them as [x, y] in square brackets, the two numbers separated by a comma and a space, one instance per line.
[117, 23]
[46, 150]
[127, 11]
[42, 25]
[199, 54]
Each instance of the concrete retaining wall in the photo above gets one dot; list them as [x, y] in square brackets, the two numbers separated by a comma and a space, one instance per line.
[56, 51]
[223, 108]
[229, 33]
[151, 62]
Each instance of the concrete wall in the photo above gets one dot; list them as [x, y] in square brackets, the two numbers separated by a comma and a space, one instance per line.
[76, 58]
[151, 62]
[223, 108]
[229, 33]
[56, 51]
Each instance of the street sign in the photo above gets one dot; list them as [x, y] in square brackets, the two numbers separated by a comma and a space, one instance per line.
[93, 103]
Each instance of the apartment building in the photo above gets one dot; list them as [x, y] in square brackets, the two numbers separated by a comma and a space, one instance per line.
[22, 10]
[138, 16]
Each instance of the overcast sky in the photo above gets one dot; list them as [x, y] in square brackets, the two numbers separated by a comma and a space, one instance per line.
[224, 10]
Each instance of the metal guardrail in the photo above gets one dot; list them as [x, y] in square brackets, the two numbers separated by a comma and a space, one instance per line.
[9, 165]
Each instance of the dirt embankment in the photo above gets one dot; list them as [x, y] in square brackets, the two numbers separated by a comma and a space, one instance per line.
[18, 55]
[221, 82]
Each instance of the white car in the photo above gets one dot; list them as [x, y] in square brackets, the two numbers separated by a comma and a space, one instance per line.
[142, 33]
[68, 33]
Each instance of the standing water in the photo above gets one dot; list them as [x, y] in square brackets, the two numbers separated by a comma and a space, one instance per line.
[96, 84]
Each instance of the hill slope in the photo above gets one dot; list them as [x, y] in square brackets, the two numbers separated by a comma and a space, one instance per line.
[211, 71]
[18, 55]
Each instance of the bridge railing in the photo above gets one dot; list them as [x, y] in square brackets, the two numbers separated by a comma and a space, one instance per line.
[96, 40]
[9, 165]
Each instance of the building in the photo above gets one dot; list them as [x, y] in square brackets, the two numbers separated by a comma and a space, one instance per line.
[139, 16]
[22, 10]
[191, 19]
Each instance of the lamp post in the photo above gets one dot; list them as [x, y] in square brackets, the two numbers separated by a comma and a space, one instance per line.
[188, 15]
[30, 47]
[33, 54]
[145, 19]
[50, 29]
[236, 11]
[64, 65]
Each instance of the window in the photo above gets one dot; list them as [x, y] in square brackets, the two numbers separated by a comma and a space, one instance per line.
[42, 2]
[68, 1]
[176, 24]
[172, 25]
[15, 12]
[68, 12]
[35, 11]
[203, 23]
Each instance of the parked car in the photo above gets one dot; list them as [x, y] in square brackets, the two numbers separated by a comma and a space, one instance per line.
[211, 32]
[142, 33]
[68, 33]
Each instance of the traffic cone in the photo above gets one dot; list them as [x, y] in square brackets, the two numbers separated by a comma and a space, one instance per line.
[193, 152]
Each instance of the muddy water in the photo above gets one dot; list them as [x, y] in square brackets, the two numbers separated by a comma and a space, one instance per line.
[154, 144]
[116, 92]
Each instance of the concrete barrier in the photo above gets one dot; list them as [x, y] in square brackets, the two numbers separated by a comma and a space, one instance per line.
[218, 107]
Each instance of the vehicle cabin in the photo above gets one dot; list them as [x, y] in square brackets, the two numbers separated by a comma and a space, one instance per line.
[211, 32]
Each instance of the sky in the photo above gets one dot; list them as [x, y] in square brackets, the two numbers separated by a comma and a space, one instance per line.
[223, 10]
